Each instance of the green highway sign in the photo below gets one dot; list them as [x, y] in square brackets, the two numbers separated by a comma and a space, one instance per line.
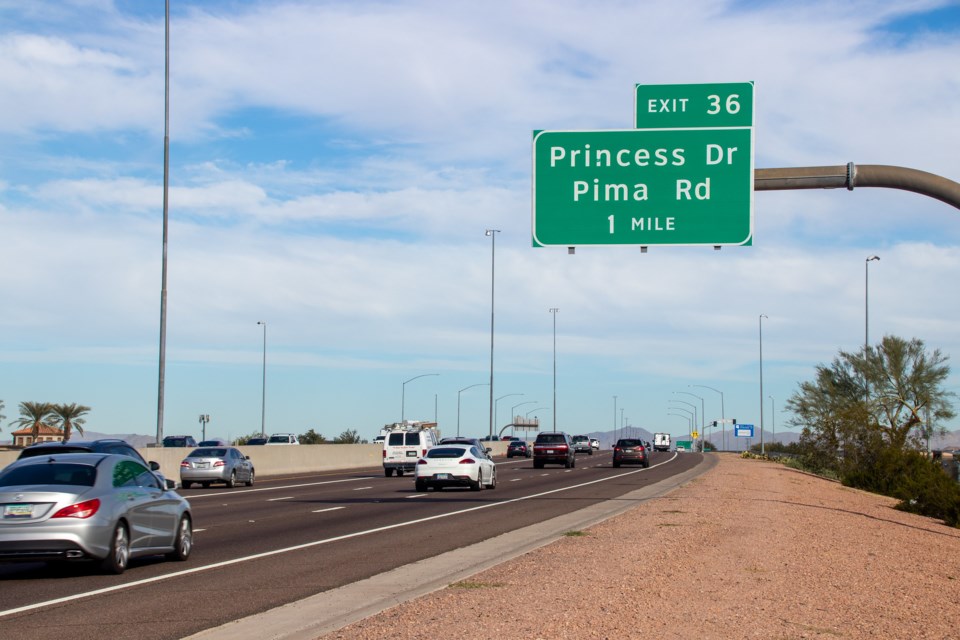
[643, 187]
[670, 106]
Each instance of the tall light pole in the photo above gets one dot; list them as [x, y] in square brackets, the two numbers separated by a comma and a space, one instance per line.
[493, 261]
[263, 393]
[204, 419]
[688, 417]
[693, 406]
[553, 312]
[403, 394]
[166, 190]
[479, 384]
[535, 409]
[703, 415]
[773, 419]
[760, 322]
[866, 300]
[496, 409]
[723, 415]
[614, 419]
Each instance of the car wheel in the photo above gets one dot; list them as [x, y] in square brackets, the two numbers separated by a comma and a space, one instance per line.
[252, 477]
[420, 485]
[476, 486]
[590, 453]
[388, 472]
[186, 485]
[537, 464]
[616, 465]
[232, 482]
[119, 556]
[183, 543]
[399, 473]
[493, 481]
[205, 485]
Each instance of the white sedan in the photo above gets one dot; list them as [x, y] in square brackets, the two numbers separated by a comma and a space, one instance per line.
[457, 465]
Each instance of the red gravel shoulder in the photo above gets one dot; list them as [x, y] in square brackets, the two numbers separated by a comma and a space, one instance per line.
[750, 549]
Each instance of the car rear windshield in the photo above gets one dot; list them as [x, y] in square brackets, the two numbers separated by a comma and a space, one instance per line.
[446, 452]
[175, 442]
[207, 453]
[631, 443]
[550, 438]
[66, 474]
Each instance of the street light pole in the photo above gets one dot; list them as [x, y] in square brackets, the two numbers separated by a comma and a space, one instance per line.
[773, 419]
[204, 419]
[866, 300]
[161, 377]
[263, 393]
[403, 394]
[614, 419]
[694, 407]
[703, 416]
[493, 257]
[496, 409]
[723, 415]
[553, 312]
[479, 384]
[760, 322]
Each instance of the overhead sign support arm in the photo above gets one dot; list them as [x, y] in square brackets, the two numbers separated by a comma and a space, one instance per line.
[866, 175]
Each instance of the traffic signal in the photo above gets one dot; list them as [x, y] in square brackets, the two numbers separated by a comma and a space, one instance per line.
[714, 423]
[734, 421]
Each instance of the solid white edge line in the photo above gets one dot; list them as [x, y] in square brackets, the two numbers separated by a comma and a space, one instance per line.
[328, 509]
[315, 543]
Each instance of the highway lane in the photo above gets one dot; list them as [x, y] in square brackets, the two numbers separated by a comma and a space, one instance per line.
[288, 538]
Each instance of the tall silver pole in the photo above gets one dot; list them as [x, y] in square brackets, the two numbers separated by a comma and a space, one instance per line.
[773, 418]
[760, 321]
[614, 419]
[493, 256]
[723, 415]
[553, 312]
[166, 188]
[866, 300]
[263, 397]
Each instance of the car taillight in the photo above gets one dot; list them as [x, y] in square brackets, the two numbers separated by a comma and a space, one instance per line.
[184, 465]
[617, 449]
[383, 454]
[421, 461]
[219, 463]
[79, 510]
[423, 453]
[468, 461]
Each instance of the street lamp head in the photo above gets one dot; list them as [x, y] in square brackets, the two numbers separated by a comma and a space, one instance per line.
[873, 258]
[261, 322]
[490, 232]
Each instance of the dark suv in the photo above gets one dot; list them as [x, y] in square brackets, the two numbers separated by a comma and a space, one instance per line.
[103, 445]
[553, 447]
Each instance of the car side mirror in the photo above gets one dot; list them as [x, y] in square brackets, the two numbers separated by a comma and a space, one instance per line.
[247, 457]
[487, 450]
[170, 484]
[154, 466]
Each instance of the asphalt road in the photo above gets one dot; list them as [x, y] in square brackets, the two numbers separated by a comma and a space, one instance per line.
[289, 538]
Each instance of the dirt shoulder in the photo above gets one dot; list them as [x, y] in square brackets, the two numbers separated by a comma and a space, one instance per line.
[749, 549]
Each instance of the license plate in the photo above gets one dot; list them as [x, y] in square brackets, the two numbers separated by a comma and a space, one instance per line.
[443, 476]
[411, 454]
[17, 511]
[203, 465]
[549, 450]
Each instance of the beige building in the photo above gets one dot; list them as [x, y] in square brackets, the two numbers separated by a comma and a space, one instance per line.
[24, 437]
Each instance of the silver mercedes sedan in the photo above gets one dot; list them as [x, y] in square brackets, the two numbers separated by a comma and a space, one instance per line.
[90, 506]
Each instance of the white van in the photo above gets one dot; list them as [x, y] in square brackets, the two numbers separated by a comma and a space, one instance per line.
[403, 446]
[661, 442]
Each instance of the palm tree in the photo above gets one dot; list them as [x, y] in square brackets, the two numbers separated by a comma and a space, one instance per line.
[69, 416]
[33, 414]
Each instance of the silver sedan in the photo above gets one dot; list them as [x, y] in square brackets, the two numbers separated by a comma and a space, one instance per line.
[90, 506]
[216, 464]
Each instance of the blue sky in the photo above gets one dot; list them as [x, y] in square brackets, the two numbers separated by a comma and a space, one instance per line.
[334, 166]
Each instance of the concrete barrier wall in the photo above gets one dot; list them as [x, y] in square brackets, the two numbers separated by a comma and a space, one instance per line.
[277, 460]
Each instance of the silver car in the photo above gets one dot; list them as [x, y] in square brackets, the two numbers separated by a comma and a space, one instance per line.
[216, 464]
[90, 506]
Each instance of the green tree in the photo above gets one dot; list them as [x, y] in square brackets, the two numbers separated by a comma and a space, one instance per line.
[890, 395]
[33, 415]
[69, 417]
[312, 437]
[349, 436]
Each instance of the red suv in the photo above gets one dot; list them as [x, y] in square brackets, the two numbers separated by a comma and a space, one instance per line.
[553, 447]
